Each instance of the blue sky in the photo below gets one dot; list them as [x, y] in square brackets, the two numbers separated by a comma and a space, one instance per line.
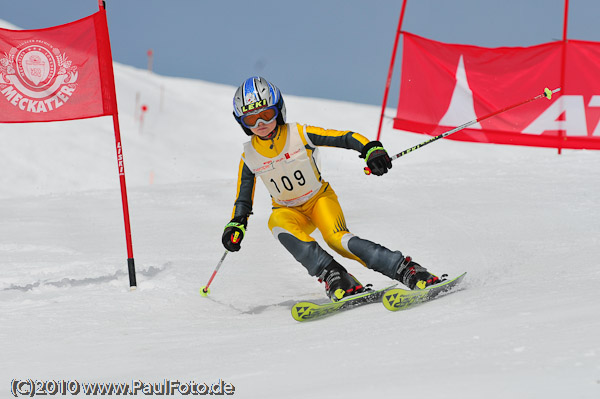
[338, 49]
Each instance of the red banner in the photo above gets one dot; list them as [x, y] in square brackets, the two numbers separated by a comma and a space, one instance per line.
[59, 73]
[446, 85]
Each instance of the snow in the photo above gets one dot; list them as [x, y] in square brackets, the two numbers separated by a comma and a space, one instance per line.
[7, 25]
[523, 222]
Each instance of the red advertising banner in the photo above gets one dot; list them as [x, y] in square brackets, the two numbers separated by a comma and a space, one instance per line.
[59, 73]
[446, 85]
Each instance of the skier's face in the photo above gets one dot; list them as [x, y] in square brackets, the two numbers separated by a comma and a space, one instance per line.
[264, 129]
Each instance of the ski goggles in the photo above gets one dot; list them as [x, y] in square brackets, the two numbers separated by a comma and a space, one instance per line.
[267, 115]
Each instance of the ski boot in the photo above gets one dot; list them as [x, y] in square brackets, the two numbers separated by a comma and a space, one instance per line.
[415, 276]
[338, 282]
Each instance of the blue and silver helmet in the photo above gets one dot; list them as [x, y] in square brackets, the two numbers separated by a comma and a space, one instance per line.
[255, 95]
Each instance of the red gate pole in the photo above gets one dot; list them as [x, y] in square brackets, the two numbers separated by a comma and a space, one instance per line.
[121, 166]
[563, 67]
[391, 70]
[121, 169]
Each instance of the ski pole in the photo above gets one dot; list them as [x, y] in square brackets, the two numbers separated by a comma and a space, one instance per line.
[204, 291]
[547, 94]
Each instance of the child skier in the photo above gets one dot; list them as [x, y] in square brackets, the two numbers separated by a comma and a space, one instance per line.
[284, 156]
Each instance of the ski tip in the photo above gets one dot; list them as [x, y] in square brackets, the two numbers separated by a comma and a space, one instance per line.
[301, 311]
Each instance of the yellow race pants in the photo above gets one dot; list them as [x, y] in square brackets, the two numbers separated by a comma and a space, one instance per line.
[292, 226]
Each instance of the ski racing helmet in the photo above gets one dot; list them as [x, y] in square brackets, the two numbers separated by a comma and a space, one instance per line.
[257, 100]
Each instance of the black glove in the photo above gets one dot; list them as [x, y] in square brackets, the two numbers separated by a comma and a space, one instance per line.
[234, 233]
[377, 158]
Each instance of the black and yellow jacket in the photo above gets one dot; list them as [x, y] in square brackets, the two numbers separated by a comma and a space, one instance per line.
[272, 148]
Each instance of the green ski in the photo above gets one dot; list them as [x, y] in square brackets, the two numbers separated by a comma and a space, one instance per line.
[401, 299]
[305, 311]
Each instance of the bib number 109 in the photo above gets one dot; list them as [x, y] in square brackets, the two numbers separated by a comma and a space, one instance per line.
[287, 183]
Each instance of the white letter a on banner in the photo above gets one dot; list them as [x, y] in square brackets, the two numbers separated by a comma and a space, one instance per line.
[574, 123]
[461, 108]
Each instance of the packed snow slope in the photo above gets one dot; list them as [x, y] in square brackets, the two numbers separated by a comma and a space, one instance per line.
[523, 222]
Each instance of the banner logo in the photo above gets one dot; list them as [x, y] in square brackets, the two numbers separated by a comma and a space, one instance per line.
[36, 77]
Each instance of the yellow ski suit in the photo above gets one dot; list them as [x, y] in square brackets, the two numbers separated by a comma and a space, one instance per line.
[302, 201]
